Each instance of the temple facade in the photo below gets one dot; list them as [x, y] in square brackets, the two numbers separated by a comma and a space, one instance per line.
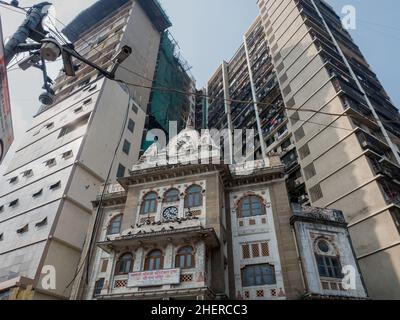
[184, 226]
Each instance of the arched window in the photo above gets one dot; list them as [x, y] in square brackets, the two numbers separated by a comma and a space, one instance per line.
[171, 195]
[115, 225]
[185, 258]
[154, 261]
[328, 262]
[149, 204]
[251, 206]
[194, 197]
[124, 264]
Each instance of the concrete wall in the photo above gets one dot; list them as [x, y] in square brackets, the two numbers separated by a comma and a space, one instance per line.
[342, 171]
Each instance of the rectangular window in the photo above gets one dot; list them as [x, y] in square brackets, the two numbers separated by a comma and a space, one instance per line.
[1, 239]
[126, 147]
[1, 208]
[283, 78]
[258, 275]
[13, 180]
[49, 125]
[134, 108]
[131, 125]
[246, 251]
[104, 265]
[121, 171]
[37, 194]
[291, 103]
[309, 171]
[87, 101]
[294, 118]
[304, 151]
[92, 88]
[14, 203]
[329, 267]
[98, 287]
[78, 110]
[396, 218]
[50, 162]
[27, 173]
[255, 250]
[280, 67]
[84, 83]
[73, 126]
[23, 229]
[299, 134]
[316, 193]
[41, 223]
[67, 154]
[55, 186]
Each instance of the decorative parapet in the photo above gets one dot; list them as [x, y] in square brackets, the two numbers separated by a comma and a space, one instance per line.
[314, 214]
[249, 167]
[112, 188]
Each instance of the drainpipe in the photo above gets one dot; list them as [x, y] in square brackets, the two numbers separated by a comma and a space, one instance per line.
[225, 79]
[303, 277]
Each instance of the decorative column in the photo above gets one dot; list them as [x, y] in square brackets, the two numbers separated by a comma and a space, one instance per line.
[181, 208]
[138, 261]
[159, 208]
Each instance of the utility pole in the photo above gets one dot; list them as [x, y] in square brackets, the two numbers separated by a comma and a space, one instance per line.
[31, 28]
[47, 48]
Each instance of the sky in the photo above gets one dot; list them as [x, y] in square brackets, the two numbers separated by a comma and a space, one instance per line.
[210, 31]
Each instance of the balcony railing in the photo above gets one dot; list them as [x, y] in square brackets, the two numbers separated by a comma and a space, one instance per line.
[368, 141]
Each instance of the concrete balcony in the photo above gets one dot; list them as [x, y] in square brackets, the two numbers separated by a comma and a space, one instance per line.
[369, 141]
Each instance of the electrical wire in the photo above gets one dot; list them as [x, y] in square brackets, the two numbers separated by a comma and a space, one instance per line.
[98, 218]
[97, 224]
[378, 24]
[197, 94]
[173, 90]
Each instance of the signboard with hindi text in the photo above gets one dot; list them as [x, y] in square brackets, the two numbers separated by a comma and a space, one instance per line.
[154, 278]
[6, 128]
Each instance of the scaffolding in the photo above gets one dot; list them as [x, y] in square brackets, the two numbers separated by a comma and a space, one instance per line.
[172, 71]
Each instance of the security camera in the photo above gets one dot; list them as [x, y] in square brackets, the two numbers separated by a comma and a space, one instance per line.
[123, 54]
[29, 61]
[120, 57]
[46, 98]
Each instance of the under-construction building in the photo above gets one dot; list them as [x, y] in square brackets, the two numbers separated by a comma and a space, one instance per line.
[91, 135]
[167, 105]
[323, 110]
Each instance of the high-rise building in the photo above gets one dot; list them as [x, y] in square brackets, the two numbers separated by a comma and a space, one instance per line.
[323, 110]
[91, 135]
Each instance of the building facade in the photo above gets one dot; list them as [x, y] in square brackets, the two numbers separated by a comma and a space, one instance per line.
[196, 229]
[90, 135]
[321, 108]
